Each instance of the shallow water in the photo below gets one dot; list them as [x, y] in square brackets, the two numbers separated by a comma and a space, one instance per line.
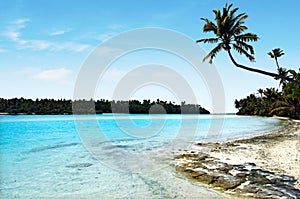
[57, 156]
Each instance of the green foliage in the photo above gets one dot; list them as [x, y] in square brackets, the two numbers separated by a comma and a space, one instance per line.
[229, 28]
[275, 53]
[62, 106]
[271, 102]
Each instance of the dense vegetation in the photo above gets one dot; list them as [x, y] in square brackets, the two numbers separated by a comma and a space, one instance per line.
[62, 106]
[270, 101]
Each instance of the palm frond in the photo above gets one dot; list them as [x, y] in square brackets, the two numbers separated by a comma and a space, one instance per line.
[238, 30]
[277, 52]
[294, 73]
[208, 40]
[243, 17]
[224, 20]
[213, 53]
[247, 37]
[271, 54]
[238, 20]
[245, 46]
[205, 19]
[243, 52]
[226, 10]
[230, 5]
[233, 11]
[208, 27]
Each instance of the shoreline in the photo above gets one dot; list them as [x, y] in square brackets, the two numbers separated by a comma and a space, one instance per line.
[261, 166]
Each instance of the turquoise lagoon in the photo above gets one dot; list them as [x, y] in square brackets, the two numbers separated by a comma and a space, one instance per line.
[49, 156]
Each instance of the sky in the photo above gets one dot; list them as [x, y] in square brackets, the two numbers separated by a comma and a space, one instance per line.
[43, 45]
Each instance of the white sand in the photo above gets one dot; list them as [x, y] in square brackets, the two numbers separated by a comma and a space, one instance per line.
[278, 152]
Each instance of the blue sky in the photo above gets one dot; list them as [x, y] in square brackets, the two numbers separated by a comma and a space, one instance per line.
[44, 43]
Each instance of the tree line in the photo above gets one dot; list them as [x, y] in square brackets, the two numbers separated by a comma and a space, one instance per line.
[271, 101]
[63, 106]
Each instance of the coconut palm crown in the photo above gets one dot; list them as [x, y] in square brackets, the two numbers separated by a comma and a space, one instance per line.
[275, 54]
[229, 31]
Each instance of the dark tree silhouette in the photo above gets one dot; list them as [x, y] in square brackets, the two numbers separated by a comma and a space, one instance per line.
[62, 106]
[229, 30]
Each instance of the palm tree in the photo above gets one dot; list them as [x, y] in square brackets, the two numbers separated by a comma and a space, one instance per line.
[260, 91]
[271, 94]
[284, 72]
[294, 74]
[276, 53]
[229, 31]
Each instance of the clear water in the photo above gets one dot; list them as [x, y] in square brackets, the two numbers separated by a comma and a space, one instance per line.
[50, 156]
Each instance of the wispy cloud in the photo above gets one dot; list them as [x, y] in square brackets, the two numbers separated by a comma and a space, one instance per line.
[13, 35]
[38, 44]
[113, 30]
[20, 22]
[58, 74]
[59, 32]
[13, 32]
[104, 36]
[44, 44]
[71, 46]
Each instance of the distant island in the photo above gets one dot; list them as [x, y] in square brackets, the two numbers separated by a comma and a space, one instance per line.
[16, 106]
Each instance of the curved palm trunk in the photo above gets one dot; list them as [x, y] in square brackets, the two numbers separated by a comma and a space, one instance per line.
[277, 64]
[274, 75]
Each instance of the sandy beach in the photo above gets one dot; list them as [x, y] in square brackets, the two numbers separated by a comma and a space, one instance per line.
[266, 166]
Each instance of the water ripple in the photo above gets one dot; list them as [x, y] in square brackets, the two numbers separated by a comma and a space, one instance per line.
[45, 148]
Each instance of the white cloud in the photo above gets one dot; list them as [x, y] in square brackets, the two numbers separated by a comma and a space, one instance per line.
[47, 45]
[38, 44]
[59, 74]
[13, 32]
[19, 24]
[13, 35]
[59, 32]
[20, 21]
[105, 36]
[70, 46]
